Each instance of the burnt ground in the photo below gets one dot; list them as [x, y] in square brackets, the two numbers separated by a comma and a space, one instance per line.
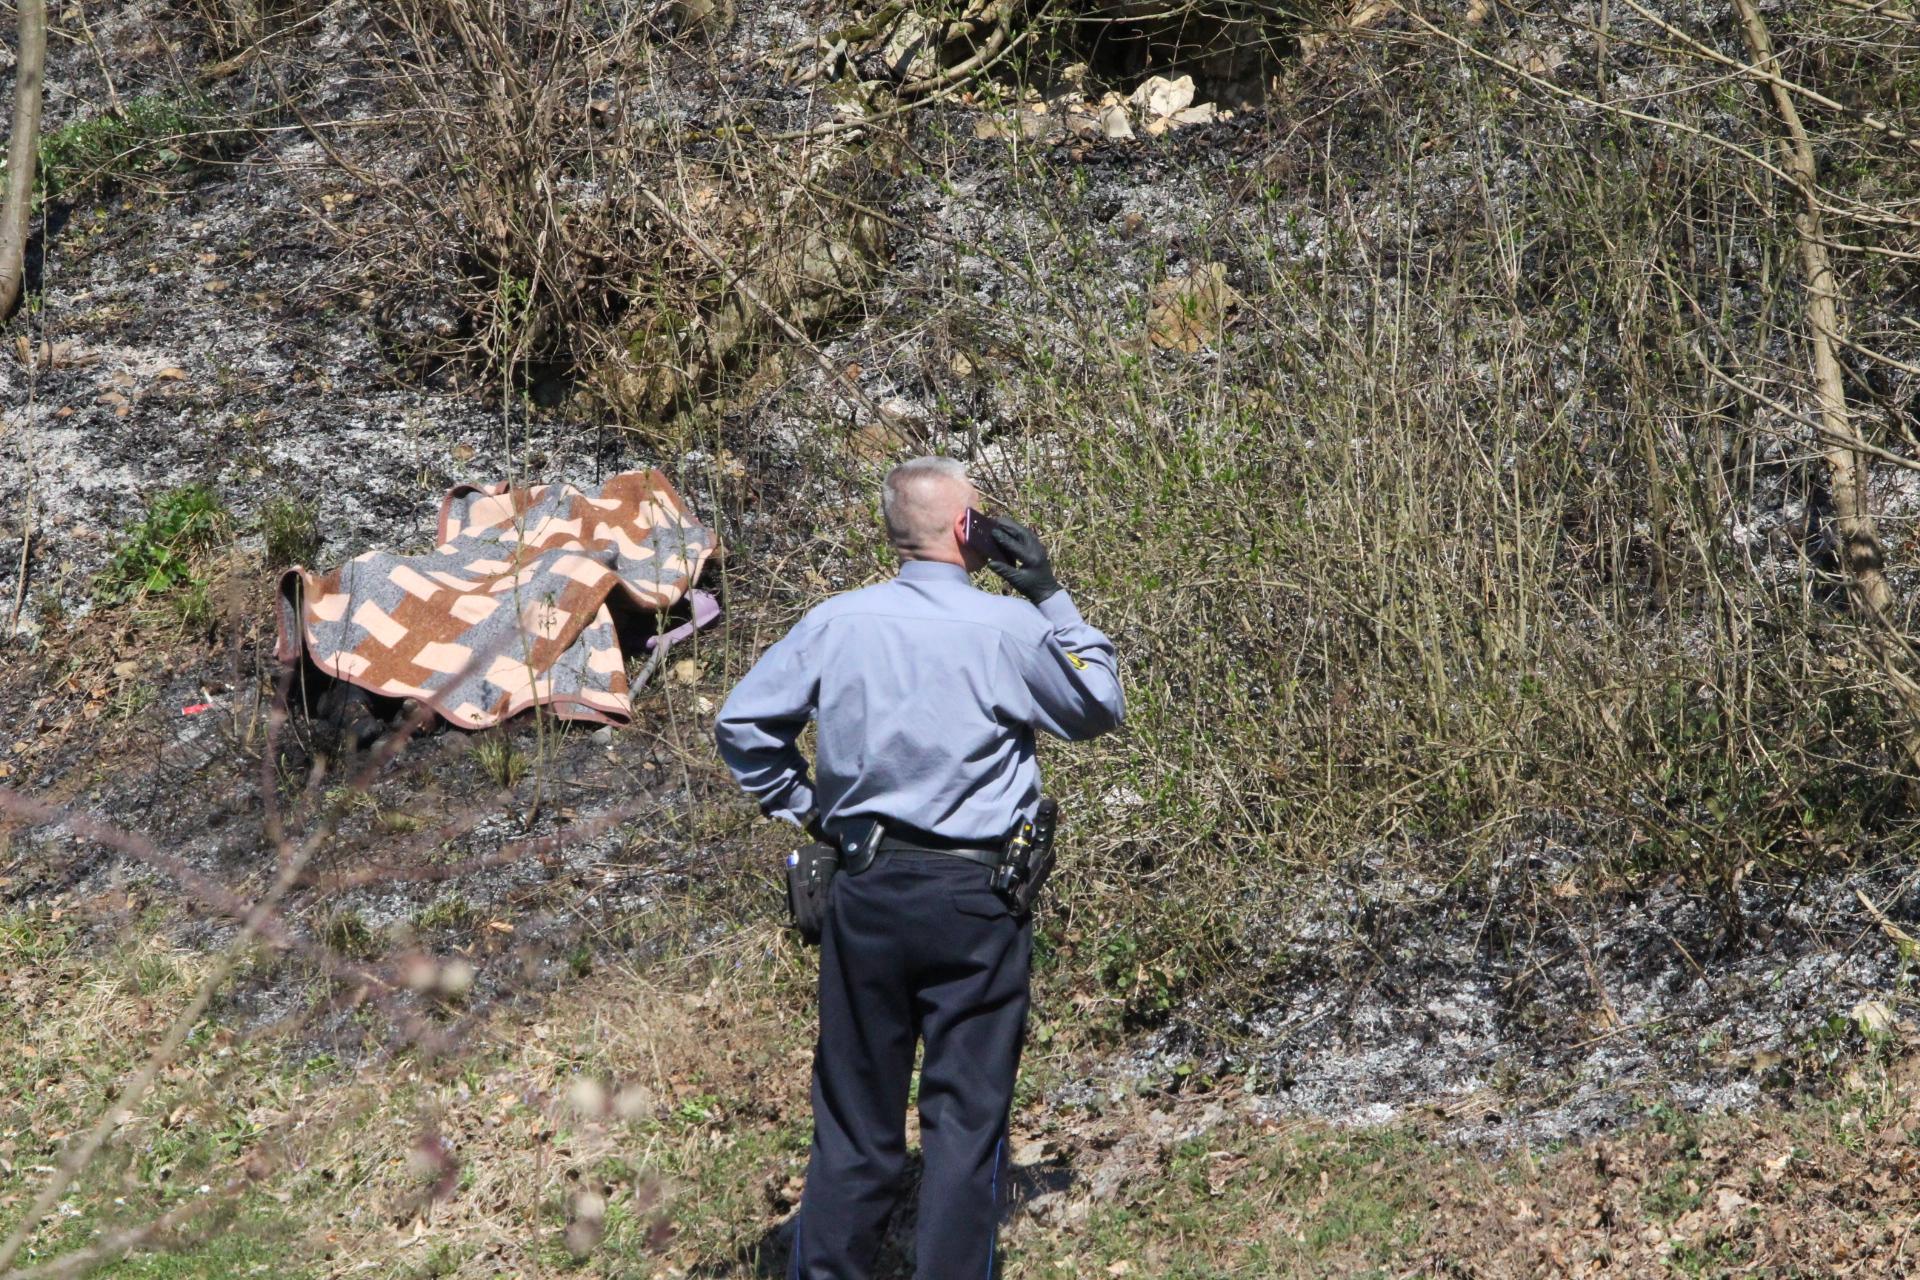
[209, 343]
[1539, 1005]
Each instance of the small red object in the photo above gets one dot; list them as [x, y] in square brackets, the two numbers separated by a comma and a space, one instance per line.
[196, 708]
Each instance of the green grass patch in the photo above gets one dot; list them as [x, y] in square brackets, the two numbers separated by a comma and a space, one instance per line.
[165, 553]
[1242, 1201]
[258, 1240]
[291, 527]
[147, 137]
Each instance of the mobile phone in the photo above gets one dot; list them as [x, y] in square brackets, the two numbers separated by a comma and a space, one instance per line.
[979, 535]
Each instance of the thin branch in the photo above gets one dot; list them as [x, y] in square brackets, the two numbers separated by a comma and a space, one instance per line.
[1772, 77]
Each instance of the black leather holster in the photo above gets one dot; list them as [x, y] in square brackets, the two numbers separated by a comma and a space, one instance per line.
[810, 872]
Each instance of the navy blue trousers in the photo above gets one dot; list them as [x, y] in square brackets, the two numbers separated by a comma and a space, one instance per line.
[917, 947]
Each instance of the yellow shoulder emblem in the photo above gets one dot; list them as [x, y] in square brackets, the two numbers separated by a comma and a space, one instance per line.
[1079, 663]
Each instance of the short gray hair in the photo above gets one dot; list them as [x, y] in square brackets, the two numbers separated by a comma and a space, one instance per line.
[903, 500]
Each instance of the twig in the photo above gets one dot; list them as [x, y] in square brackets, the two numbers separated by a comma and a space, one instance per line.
[1879, 356]
[26, 543]
[123, 1242]
[1844, 439]
[1858, 214]
[1904, 940]
[130, 1096]
[1768, 75]
[924, 95]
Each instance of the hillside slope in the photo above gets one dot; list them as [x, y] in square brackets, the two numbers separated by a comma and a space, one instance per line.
[1504, 871]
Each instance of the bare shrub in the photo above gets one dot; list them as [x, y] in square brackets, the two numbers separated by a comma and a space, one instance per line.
[529, 243]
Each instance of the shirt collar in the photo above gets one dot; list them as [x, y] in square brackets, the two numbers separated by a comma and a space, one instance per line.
[933, 571]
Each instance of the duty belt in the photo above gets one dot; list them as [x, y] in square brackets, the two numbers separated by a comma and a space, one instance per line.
[969, 853]
[1020, 867]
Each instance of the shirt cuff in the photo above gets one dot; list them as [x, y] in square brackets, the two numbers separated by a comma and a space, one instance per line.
[1061, 611]
[793, 806]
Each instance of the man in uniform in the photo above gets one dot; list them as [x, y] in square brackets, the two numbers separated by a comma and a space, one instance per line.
[926, 692]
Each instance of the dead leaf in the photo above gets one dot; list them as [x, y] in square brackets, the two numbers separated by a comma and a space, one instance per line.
[66, 354]
[1874, 1017]
[1188, 312]
[876, 442]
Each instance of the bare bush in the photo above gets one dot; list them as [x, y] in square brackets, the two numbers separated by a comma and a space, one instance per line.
[529, 245]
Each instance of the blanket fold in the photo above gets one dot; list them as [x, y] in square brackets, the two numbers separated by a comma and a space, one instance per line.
[515, 606]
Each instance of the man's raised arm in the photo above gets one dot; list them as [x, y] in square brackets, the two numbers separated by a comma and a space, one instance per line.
[1072, 676]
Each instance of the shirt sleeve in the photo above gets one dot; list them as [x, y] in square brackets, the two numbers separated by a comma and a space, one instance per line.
[762, 720]
[1071, 674]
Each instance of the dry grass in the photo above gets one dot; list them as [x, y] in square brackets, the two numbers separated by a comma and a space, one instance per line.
[640, 1124]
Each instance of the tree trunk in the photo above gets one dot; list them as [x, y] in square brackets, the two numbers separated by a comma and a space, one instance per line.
[1861, 552]
[22, 148]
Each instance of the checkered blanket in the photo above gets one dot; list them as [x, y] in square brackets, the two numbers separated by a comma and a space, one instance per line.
[515, 606]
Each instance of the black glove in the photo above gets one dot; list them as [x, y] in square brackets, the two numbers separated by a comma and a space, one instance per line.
[1026, 568]
[810, 871]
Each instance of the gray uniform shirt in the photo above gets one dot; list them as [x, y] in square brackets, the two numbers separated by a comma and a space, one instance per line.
[927, 692]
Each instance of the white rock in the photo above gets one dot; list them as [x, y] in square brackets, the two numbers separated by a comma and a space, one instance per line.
[1160, 96]
[1115, 124]
[910, 51]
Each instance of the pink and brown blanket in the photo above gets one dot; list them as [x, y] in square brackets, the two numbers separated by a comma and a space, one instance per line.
[514, 607]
